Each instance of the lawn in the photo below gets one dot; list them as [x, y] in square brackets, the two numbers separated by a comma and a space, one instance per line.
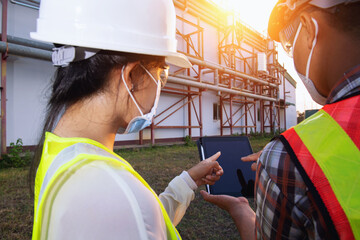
[157, 165]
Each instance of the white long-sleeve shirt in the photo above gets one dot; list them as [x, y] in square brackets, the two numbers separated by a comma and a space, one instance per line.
[100, 202]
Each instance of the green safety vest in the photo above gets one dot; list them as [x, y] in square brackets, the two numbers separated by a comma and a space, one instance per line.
[325, 150]
[54, 168]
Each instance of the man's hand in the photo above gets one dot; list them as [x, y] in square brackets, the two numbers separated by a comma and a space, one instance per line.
[228, 203]
[252, 158]
[207, 171]
[239, 209]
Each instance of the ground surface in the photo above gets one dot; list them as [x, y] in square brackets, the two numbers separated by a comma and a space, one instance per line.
[157, 165]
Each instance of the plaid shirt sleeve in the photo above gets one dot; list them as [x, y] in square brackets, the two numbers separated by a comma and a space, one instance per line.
[285, 209]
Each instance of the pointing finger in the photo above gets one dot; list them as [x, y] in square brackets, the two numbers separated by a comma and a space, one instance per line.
[251, 157]
[214, 157]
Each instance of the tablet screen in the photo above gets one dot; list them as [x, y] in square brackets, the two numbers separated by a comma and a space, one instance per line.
[238, 179]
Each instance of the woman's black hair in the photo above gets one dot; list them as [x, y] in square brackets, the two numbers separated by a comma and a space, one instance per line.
[76, 82]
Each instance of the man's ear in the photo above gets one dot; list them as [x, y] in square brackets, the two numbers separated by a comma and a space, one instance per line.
[127, 73]
[309, 27]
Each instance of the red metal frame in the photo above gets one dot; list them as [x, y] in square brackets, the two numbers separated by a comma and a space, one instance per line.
[195, 34]
[240, 109]
[231, 53]
[187, 99]
[3, 77]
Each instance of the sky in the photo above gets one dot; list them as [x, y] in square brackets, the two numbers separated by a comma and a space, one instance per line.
[256, 13]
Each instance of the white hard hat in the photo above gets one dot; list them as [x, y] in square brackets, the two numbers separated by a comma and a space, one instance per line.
[135, 26]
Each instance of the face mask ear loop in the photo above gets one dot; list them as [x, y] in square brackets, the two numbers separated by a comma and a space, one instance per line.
[157, 90]
[156, 82]
[127, 88]
[313, 47]
[295, 38]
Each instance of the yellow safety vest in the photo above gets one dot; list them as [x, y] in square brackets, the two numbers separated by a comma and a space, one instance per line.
[54, 168]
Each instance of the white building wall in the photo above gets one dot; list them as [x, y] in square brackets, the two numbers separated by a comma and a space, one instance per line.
[211, 127]
[28, 85]
[291, 119]
[28, 81]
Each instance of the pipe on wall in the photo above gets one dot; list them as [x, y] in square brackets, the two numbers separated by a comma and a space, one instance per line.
[24, 51]
[29, 43]
[30, 48]
[28, 51]
[229, 71]
[32, 5]
[49, 47]
[179, 80]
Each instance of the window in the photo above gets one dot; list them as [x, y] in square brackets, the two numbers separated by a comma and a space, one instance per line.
[216, 111]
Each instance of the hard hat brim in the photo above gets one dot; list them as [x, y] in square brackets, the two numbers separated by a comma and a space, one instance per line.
[171, 57]
[179, 60]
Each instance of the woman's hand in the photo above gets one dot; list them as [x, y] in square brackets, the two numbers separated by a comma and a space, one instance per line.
[207, 171]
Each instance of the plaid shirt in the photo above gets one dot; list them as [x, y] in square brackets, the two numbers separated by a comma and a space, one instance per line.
[285, 208]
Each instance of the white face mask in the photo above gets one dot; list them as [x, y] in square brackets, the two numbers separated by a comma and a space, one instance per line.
[309, 84]
[139, 123]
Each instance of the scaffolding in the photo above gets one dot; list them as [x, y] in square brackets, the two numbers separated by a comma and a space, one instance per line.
[240, 85]
[246, 94]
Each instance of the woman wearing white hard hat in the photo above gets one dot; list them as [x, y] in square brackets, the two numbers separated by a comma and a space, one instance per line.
[111, 60]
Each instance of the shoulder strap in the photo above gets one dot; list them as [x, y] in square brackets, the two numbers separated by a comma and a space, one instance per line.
[69, 154]
[289, 142]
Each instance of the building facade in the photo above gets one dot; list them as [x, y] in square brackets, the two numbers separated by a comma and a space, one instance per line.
[236, 85]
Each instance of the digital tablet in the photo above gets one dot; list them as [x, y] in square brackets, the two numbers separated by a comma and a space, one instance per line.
[238, 179]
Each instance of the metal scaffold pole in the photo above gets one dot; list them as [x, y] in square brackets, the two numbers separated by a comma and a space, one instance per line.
[3, 77]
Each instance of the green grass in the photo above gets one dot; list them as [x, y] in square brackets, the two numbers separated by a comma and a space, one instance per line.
[16, 207]
[157, 165]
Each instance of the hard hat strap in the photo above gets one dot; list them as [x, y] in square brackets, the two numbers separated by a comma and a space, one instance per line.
[64, 55]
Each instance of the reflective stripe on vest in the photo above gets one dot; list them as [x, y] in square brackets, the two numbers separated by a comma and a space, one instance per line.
[327, 147]
[70, 159]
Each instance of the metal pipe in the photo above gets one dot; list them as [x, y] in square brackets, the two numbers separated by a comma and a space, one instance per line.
[184, 77]
[38, 50]
[23, 51]
[3, 77]
[216, 77]
[29, 43]
[217, 88]
[231, 116]
[200, 113]
[25, 4]
[152, 134]
[229, 71]
[207, 71]
[141, 142]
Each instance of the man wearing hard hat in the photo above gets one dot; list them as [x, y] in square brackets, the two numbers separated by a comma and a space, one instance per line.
[307, 181]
